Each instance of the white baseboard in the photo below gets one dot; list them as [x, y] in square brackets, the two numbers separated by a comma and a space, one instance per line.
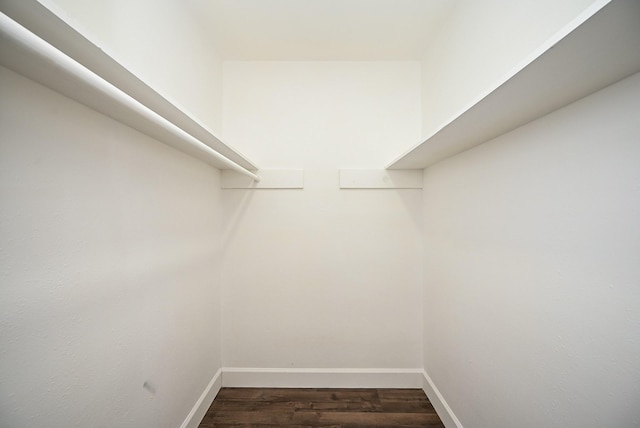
[321, 378]
[204, 402]
[447, 416]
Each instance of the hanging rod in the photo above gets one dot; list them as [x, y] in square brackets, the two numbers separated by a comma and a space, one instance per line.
[30, 43]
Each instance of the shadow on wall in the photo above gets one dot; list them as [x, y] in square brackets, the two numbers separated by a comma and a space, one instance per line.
[235, 205]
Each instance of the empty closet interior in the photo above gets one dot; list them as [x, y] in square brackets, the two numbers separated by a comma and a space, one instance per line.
[437, 194]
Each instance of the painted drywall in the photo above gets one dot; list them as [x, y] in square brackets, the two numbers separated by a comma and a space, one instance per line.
[109, 269]
[321, 277]
[327, 30]
[478, 46]
[531, 270]
[161, 42]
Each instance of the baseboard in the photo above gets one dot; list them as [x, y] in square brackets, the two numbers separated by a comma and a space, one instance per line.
[447, 416]
[204, 402]
[321, 378]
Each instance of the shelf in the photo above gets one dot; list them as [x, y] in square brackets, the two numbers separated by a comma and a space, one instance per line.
[599, 48]
[380, 179]
[47, 26]
[269, 179]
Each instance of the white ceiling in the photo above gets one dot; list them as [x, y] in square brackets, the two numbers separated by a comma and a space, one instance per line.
[312, 30]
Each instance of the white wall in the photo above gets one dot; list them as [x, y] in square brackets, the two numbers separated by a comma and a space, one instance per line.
[479, 44]
[531, 270]
[160, 41]
[322, 277]
[109, 269]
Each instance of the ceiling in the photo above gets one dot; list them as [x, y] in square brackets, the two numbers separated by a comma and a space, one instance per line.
[315, 30]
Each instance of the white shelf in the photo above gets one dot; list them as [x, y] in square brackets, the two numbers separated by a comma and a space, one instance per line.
[51, 28]
[380, 179]
[599, 48]
[269, 179]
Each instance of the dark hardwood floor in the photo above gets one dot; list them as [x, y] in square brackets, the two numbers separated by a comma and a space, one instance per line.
[335, 408]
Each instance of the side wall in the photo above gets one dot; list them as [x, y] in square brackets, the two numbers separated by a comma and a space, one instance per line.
[531, 271]
[322, 278]
[162, 209]
[160, 42]
[479, 43]
[109, 269]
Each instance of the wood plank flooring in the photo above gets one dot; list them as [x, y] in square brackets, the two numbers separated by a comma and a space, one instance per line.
[328, 408]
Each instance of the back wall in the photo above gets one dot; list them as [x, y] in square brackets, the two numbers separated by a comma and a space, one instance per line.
[322, 277]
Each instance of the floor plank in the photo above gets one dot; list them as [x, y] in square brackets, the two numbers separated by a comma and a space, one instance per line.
[320, 407]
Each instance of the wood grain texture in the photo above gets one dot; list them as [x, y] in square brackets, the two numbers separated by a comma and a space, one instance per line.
[337, 408]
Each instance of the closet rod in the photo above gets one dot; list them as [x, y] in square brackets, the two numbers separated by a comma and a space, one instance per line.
[19, 35]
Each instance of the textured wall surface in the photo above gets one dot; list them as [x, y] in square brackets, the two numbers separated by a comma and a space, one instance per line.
[161, 43]
[322, 277]
[109, 269]
[531, 270]
[478, 46]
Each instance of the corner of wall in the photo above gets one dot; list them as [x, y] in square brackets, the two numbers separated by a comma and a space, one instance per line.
[447, 416]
